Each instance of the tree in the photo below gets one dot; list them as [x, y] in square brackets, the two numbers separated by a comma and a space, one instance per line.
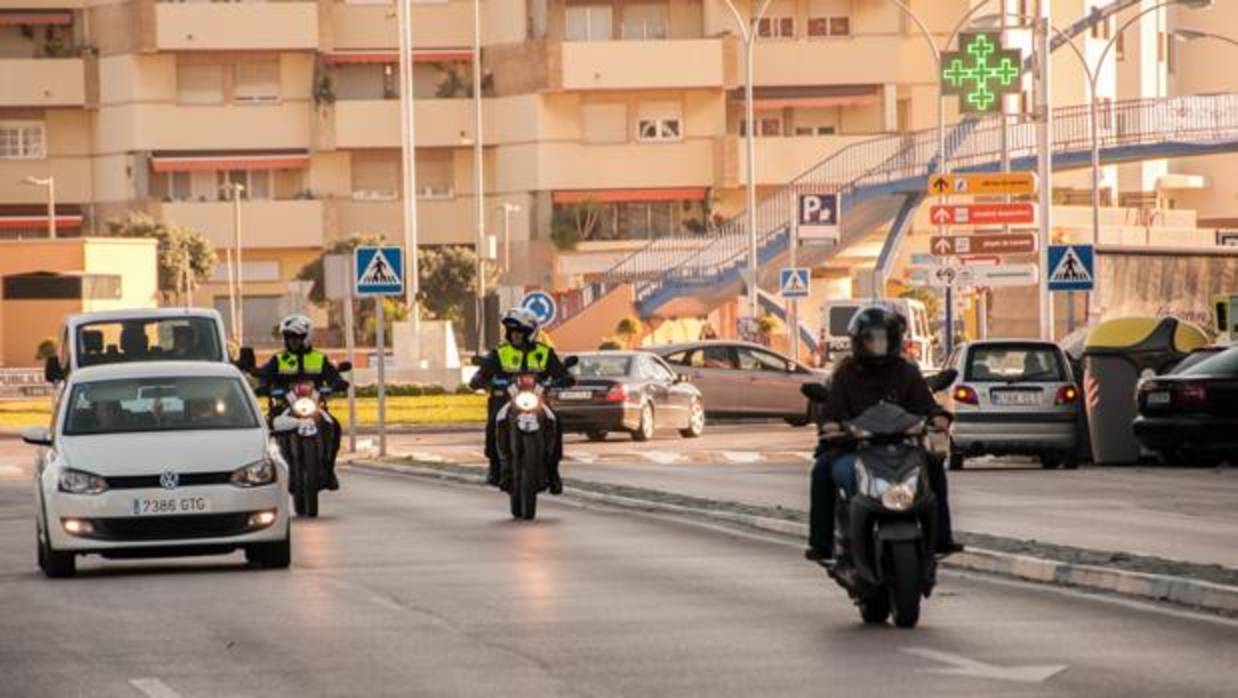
[628, 329]
[186, 258]
[573, 223]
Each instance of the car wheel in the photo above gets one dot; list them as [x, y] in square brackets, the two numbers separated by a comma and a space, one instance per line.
[595, 435]
[644, 430]
[275, 556]
[55, 564]
[955, 461]
[1050, 461]
[696, 421]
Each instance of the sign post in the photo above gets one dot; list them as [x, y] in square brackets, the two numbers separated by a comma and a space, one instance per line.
[379, 272]
[794, 283]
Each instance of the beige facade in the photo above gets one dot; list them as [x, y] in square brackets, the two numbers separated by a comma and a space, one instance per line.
[631, 111]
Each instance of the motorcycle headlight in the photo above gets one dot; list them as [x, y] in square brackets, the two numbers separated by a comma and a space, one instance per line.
[80, 482]
[526, 401]
[304, 407]
[255, 474]
[900, 496]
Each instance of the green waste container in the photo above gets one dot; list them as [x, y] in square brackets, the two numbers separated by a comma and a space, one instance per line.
[1116, 355]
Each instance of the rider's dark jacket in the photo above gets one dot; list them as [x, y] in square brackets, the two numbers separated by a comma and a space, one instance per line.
[855, 386]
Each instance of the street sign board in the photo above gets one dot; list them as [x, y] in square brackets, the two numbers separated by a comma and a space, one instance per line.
[794, 282]
[1227, 238]
[1072, 267]
[983, 275]
[981, 72]
[983, 184]
[378, 271]
[542, 305]
[819, 217]
[955, 245]
[983, 214]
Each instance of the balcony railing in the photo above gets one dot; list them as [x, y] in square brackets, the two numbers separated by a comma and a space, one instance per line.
[225, 26]
[42, 82]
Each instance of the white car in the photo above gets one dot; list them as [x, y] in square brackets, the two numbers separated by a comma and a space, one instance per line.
[155, 460]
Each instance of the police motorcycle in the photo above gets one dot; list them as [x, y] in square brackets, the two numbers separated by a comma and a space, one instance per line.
[529, 421]
[303, 427]
[883, 536]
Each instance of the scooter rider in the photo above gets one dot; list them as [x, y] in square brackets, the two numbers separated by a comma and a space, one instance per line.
[299, 361]
[875, 371]
[520, 352]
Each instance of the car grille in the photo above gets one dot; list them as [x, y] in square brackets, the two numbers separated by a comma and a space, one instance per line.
[135, 482]
[170, 527]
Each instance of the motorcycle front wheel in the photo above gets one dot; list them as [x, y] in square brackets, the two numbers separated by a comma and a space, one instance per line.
[528, 476]
[904, 583]
[309, 471]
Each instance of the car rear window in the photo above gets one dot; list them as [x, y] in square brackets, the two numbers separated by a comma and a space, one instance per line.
[159, 404]
[164, 339]
[1224, 365]
[602, 367]
[1014, 363]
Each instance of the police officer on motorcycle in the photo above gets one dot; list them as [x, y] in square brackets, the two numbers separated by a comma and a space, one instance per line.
[875, 371]
[520, 352]
[298, 362]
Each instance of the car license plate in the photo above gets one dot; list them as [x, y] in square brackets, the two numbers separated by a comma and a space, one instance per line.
[1015, 398]
[1159, 398]
[168, 506]
[575, 395]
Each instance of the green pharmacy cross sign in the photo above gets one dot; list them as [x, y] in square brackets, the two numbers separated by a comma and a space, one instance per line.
[980, 73]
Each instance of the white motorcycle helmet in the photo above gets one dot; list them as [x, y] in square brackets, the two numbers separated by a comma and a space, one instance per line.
[296, 325]
[522, 320]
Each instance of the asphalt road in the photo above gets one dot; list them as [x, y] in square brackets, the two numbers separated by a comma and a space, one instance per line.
[411, 588]
[1175, 513]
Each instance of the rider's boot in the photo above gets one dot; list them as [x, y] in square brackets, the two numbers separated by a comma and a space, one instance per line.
[553, 481]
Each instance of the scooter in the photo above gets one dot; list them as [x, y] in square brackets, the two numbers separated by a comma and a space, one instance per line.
[530, 422]
[884, 534]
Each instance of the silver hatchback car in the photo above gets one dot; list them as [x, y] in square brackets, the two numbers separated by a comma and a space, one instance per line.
[1013, 397]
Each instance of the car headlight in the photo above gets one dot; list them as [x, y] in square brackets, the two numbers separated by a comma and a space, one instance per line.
[80, 482]
[304, 407]
[526, 401]
[255, 474]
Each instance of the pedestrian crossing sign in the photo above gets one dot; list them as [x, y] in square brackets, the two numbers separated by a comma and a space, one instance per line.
[379, 271]
[794, 282]
[1072, 268]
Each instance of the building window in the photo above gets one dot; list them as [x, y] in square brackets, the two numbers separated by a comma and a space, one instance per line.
[376, 178]
[256, 82]
[829, 18]
[22, 140]
[604, 123]
[815, 130]
[767, 126]
[645, 21]
[436, 173]
[257, 183]
[200, 84]
[776, 28]
[659, 121]
[589, 22]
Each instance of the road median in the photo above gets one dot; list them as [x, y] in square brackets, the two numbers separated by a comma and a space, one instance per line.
[1212, 588]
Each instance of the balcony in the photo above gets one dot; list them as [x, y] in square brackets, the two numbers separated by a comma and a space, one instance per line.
[42, 82]
[645, 65]
[560, 165]
[374, 26]
[264, 224]
[72, 174]
[211, 26]
[858, 60]
[779, 159]
[223, 127]
[439, 221]
[376, 123]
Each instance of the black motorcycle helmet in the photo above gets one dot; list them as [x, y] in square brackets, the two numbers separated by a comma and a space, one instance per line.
[876, 335]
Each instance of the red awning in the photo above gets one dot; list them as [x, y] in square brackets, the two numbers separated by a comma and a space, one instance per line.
[11, 19]
[39, 222]
[618, 196]
[213, 163]
[387, 56]
[815, 102]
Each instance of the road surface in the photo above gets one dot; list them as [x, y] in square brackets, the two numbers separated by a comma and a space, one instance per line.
[412, 588]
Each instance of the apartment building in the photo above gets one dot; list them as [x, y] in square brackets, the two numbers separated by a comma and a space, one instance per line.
[606, 122]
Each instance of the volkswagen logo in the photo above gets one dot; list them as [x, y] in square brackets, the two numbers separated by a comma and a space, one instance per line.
[169, 480]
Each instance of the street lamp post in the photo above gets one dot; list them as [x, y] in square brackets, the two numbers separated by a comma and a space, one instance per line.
[408, 162]
[236, 276]
[49, 182]
[479, 185]
[508, 209]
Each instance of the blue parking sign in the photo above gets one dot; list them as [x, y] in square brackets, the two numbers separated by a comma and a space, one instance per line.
[379, 271]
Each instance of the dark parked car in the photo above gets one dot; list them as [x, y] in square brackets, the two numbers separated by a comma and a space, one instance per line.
[630, 391]
[1191, 415]
[744, 380]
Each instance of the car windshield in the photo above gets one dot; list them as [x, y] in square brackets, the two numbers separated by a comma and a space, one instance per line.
[1224, 365]
[602, 367]
[1014, 363]
[148, 339]
[159, 404]
[840, 319]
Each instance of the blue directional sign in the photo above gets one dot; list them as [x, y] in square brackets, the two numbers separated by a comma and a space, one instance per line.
[379, 271]
[542, 305]
[1072, 267]
[793, 282]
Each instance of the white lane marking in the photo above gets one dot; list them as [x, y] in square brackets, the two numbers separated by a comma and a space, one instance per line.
[582, 456]
[428, 457]
[742, 457]
[962, 666]
[661, 457]
[153, 688]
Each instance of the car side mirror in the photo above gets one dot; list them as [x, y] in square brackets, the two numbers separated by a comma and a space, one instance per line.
[245, 360]
[942, 380]
[817, 392]
[571, 361]
[53, 372]
[37, 436]
[284, 424]
[344, 367]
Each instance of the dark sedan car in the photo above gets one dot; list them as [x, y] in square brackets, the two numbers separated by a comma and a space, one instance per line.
[630, 391]
[1191, 415]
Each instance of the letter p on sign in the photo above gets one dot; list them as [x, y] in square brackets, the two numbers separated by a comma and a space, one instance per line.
[818, 219]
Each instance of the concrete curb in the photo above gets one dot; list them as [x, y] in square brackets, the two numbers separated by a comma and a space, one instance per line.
[1182, 591]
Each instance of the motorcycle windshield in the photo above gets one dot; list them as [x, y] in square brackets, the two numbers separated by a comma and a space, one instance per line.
[886, 419]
